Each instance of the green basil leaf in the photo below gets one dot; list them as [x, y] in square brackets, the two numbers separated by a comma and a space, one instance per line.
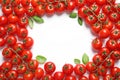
[80, 21]
[41, 59]
[73, 15]
[76, 61]
[38, 19]
[85, 58]
[30, 23]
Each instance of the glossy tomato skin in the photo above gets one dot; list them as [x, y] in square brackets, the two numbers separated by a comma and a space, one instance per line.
[114, 16]
[104, 33]
[102, 17]
[107, 9]
[40, 11]
[102, 70]
[95, 28]
[26, 55]
[80, 3]
[21, 68]
[50, 10]
[16, 3]
[90, 19]
[28, 76]
[59, 75]
[3, 20]
[30, 11]
[90, 2]
[115, 71]
[104, 52]
[79, 69]
[2, 42]
[101, 2]
[12, 18]
[111, 44]
[18, 47]
[47, 76]
[108, 76]
[93, 76]
[11, 40]
[25, 2]
[22, 33]
[67, 69]
[60, 8]
[95, 8]
[83, 78]
[23, 22]
[108, 25]
[39, 73]
[2, 31]
[19, 10]
[97, 59]
[115, 34]
[12, 75]
[116, 55]
[33, 64]
[2, 76]
[49, 67]
[11, 29]
[28, 42]
[7, 10]
[70, 77]
[96, 43]
[15, 60]
[6, 2]
[6, 66]
[71, 6]
[109, 63]
[35, 3]
[7, 52]
[117, 24]
[90, 66]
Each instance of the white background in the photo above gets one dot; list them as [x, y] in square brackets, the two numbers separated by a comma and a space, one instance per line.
[61, 39]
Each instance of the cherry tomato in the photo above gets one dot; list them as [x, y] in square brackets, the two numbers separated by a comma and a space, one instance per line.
[27, 55]
[90, 2]
[104, 33]
[96, 28]
[60, 8]
[40, 11]
[28, 75]
[90, 19]
[97, 59]
[93, 76]
[116, 55]
[25, 2]
[115, 34]
[2, 42]
[95, 8]
[15, 60]
[108, 25]
[115, 71]
[33, 64]
[111, 44]
[108, 77]
[117, 24]
[15, 2]
[97, 44]
[109, 63]
[70, 77]
[11, 40]
[12, 75]
[11, 29]
[102, 17]
[3, 20]
[30, 11]
[2, 76]
[22, 33]
[47, 76]
[102, 70]
[49, 67]
[71, 6]
[79, 69]
[28, 42]
[5, 2]
[107, 9]
[19, 10]
[59, 75]
[35, 3]
[67, 69]
[18, 47]
[12, 18]
[23, 22]
[6, 66]
[7, 53]
[39, 73]
[83, 78]
[50, 9]
[114, 16]
[80, 3]
[101, 2]
[104, 52]
[2, 31]
[7, 10]
[21, 68]
[90, 66]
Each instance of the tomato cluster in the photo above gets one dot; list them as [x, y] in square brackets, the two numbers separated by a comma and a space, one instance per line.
[103, 18]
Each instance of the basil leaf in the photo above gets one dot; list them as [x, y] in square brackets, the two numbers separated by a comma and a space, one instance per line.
[41, 59]
[38, 19]
[80, 21]
[85, 58]
[30, 21]
[76, 61]
[73, 15]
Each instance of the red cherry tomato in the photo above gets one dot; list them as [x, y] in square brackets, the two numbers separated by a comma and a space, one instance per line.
[47, 76]
[115, 71]
[116, 55]
[101, 2]
[90, 66]
[108, 25]
[80, 3]
[96, 28]
[11, 40]
[109, 63]
[7, 10]
[6, 66]
[3, 20]
[23, 22]
[25, 2]
[90, 19]
[19, 10]
[18, 47]
[111, 44]
[40, 11]
[104, 33]
[7, 53]
[108, 77]
[26, 55]
[60, 8]
[50, 9]
[83, 78]
[15, 60]
[97, 44]
[2, 31]
[71, 6]
[12, 18]
[93, 76]
[11, 29]
[67, 69]
[15, 3]
[102, 70]
[39, 73]
[21, 68]
[28, 42]
[70, 77]
[104, 52]
[22, 33]
[59, 75]
[2, 42]
[12, 75]
[95, 8]
[97, 59]
[33, 64]
[28, 76]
